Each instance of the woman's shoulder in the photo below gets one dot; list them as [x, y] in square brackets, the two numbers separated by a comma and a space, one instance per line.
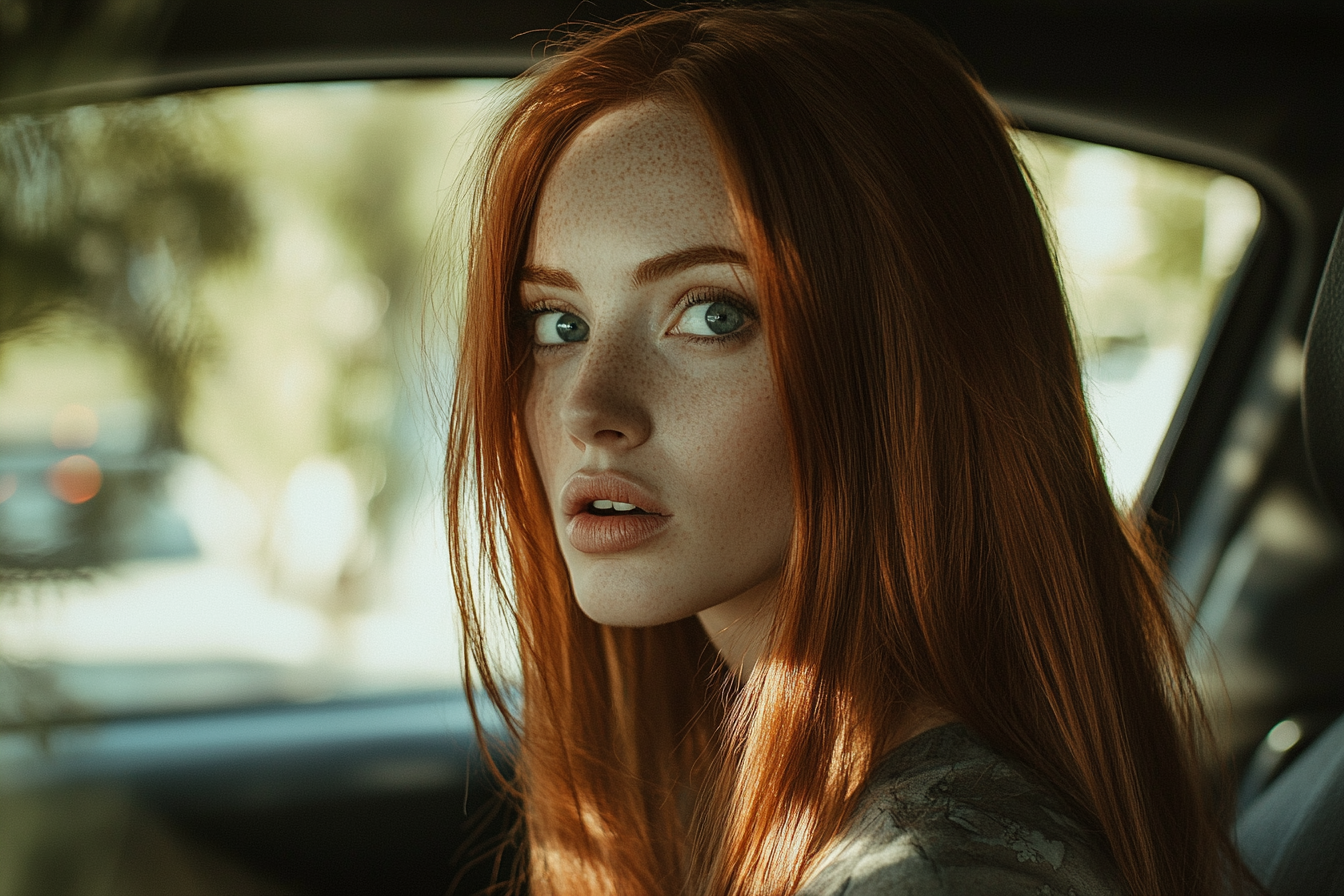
[946, 814]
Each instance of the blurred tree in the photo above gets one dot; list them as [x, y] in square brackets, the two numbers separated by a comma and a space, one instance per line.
[113, 213]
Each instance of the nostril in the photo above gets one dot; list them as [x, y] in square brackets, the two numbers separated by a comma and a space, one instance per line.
[605, 412]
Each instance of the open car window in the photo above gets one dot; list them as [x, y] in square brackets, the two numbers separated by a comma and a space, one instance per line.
[222, 384]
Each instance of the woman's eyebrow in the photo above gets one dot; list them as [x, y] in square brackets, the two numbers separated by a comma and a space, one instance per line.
[675, 262]
[648, 270]
[545, 276]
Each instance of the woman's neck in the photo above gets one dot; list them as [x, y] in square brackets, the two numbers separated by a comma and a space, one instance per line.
[739, 627]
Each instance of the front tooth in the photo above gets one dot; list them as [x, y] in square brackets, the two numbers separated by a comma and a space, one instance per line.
[621, 505]
[603, 505]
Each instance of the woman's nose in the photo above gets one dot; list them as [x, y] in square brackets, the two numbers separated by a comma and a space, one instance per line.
[607, 403]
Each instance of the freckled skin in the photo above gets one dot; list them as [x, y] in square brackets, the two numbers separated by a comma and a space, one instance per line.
[696, 423]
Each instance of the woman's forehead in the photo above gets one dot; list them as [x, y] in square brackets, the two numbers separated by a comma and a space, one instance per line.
[648, 144]
[644, 178]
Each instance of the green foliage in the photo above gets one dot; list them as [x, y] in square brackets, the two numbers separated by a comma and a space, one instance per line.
[114, 213]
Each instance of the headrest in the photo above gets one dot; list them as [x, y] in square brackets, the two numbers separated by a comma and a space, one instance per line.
[1323, 380]
[1290, 835]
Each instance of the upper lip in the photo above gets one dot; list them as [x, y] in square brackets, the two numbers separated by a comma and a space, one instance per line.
[585, 487]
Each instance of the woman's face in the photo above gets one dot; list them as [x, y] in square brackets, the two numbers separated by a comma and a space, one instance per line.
[652, 414]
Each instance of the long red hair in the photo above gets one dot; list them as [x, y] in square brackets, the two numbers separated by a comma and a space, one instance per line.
[955, 544]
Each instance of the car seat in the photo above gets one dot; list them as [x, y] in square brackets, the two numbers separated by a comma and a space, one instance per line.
[1292, 834]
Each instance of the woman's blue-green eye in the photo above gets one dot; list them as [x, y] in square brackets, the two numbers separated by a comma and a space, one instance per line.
[559, 327]
[712, 319]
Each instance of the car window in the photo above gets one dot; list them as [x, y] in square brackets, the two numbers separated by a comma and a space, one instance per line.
[1145, 247]
[224, 362]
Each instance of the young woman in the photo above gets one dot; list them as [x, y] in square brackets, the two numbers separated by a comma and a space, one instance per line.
[769, 411]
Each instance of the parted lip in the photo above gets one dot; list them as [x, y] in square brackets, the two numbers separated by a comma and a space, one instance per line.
[586, 486]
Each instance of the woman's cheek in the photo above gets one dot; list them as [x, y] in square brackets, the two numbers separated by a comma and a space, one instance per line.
[742, 453]
[542, 422]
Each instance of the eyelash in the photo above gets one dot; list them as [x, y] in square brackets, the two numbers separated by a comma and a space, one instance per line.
[526, 319]
[711, 295]
[701, 296]
[525, 316]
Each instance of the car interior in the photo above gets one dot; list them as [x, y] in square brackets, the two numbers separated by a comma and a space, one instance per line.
[230, 242]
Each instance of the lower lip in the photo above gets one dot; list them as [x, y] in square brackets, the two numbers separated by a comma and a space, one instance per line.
[592, 534]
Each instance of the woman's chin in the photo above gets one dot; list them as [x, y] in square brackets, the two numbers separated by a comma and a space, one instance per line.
[632, 606]
[631, 612]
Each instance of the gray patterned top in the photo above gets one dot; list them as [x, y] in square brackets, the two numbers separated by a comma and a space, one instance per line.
[945, 814]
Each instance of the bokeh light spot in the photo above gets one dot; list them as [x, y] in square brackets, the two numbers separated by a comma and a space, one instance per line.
[75, 479]
[1284, 736]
